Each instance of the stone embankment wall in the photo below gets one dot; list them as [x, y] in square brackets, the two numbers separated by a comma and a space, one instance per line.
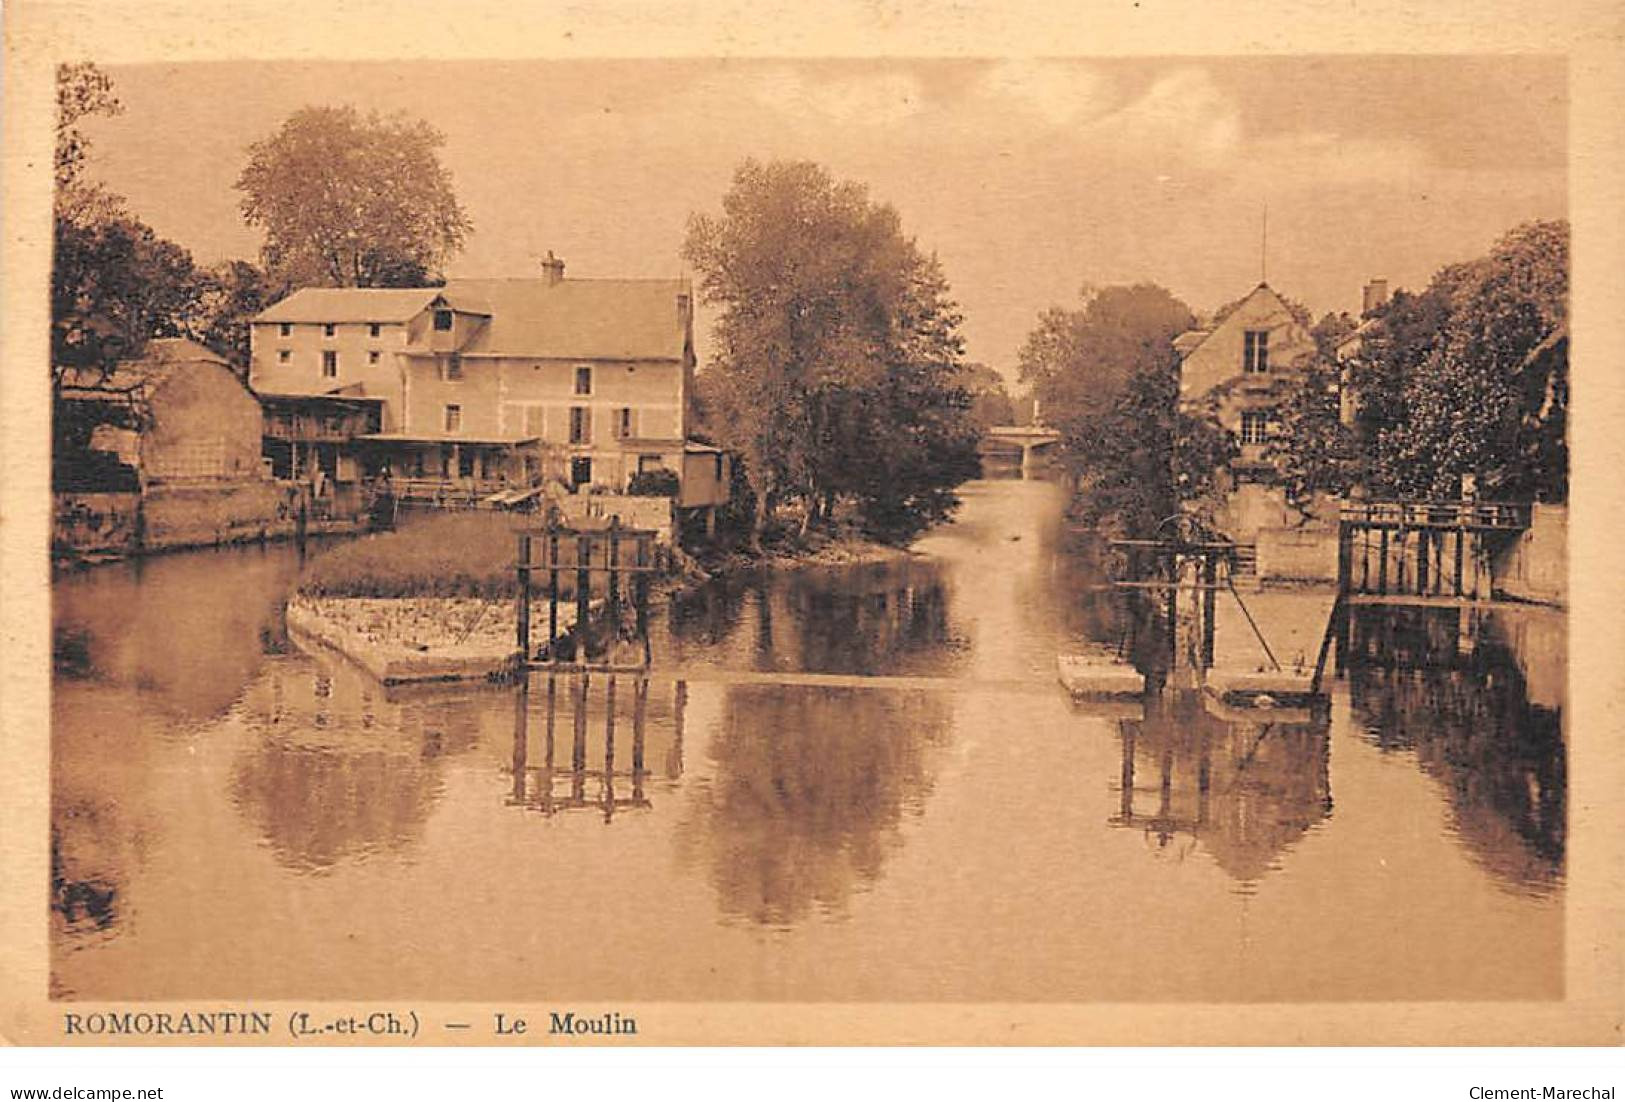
[176, 516]
[1535, 567]
[1297, 554]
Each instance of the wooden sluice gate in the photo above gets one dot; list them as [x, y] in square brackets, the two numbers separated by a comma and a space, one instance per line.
[1172, 585]
[1422, 548]
[599, 636]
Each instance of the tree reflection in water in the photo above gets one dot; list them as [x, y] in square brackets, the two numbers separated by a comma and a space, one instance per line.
[1459, 689]
[810, 790]
[879, 619]
[340, 770]
[1242, 784]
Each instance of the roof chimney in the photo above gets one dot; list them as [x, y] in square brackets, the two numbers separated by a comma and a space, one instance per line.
[554, 267]
[1376, 297]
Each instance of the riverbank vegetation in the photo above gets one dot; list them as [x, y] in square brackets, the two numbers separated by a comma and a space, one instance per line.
[837, 372]
[1464, 382]
[444, 555]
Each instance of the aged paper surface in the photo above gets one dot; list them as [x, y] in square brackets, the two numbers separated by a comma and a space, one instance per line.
[819, 921]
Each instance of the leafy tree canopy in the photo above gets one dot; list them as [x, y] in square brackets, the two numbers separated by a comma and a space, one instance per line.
[352, 200]
[837, 351]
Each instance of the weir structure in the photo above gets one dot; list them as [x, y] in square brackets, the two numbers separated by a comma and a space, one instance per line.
[606, 568]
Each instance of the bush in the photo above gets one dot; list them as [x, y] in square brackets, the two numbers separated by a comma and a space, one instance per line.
[656, 483]
[447, 555]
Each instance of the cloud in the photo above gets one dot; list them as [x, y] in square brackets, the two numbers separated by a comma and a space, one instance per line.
[1054, 91]
[881, 99]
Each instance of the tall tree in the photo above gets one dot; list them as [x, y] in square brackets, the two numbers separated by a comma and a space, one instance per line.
[837, 351]
[114, 282]
[1107, 378]
[1470, 377]
[347, 200]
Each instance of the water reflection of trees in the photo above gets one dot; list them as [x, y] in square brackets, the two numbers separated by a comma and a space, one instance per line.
[1450, 686]
[186, 631]
[868, 620]
[595, 743]
[338, 770]
[810, 790]
[1243, 785]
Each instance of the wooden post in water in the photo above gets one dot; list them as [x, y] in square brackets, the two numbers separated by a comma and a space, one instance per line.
[552, 595]
[547, 760]
[1210, 594]
[1382, 563]
[613, 583]
[1460, 537]
[523, 609]
[1126, 798]
[583, 594]
[1422, 542]
[1345, 558]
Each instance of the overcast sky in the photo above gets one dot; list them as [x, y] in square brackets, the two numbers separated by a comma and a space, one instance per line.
[1029, 179]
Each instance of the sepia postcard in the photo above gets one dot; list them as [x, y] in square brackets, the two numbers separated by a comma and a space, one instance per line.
[925, 524]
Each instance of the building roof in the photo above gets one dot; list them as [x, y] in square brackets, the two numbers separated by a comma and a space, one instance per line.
[570, 319]
[445, 438]
[350, 304]
[585, 319]
[137, 378]
[1192, 339]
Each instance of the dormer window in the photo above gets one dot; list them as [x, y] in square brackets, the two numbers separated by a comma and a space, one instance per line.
[1255, 351]
[442, 321]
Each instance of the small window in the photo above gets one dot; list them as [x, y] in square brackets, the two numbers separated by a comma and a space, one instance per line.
[583, 380]
[372, 357]
[286, 329]
[375, 330]
[330, 364]
[451, 368]
[454, 418]
[623, 422]
[284, 356]
[329, 329]
[1255, 351]
[442, 321]
[580, 425]
[1255, 426]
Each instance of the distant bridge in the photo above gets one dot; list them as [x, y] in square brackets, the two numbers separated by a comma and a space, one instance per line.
[1034, 443]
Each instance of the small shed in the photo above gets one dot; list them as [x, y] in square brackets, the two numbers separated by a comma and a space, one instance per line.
[179, 414]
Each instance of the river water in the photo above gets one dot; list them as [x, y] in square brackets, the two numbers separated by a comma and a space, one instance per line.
[236, 818]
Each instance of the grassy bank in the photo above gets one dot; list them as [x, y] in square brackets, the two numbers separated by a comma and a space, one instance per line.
[446, 555]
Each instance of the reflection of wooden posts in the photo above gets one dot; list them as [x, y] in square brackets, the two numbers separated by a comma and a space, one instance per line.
[640, 700]
[1126, 780]
[609, 742]
[552, 709]
[521, 737]
[578, 745]
[674, 759]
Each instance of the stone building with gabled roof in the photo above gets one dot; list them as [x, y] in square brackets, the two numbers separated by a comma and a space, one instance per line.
[1241, 367]
[487, 384]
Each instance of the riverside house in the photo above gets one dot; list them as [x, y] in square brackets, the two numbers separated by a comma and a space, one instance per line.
[1242, 366]
[487, 385]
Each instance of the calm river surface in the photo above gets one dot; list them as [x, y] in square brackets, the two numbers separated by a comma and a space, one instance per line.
[235, 818]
